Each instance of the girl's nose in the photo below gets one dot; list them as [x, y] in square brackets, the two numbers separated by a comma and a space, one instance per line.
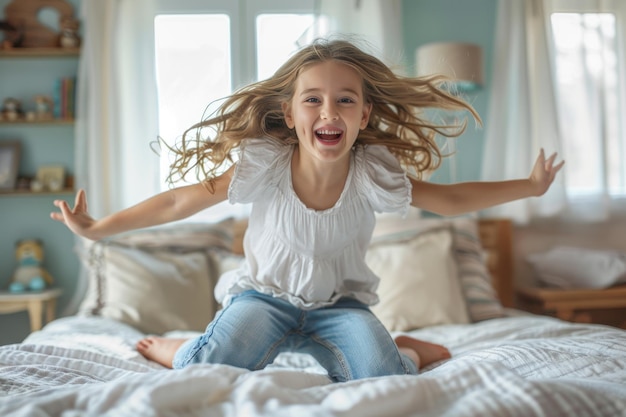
[329, 112]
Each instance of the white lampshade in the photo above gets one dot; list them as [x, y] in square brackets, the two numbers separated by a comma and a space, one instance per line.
[462, 62]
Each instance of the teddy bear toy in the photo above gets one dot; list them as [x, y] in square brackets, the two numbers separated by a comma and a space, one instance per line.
[69, 33]
[29, 274]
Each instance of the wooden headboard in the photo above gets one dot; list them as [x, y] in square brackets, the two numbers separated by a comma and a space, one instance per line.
[496, 237]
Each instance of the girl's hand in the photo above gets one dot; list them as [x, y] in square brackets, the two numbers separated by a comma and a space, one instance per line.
[76, 219]
[544, 172]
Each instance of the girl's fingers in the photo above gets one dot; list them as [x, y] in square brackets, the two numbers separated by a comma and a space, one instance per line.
[80, 203]
[65, 209]
[550, 161]
[558, 167]
[541, 159]
[60, 216]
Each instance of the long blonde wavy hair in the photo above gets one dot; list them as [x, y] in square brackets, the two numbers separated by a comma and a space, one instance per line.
[397, 117]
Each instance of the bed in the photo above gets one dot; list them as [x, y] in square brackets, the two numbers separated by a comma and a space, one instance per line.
[504, 362]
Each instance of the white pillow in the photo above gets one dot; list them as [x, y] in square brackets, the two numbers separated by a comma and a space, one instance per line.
[479, 294]
[571, 267]
[157, 280]
[153, 291]
[419, 285]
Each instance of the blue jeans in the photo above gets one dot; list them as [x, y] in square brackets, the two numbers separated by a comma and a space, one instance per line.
[345, 338]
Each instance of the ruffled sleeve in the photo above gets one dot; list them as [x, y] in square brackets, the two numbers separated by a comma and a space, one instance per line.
[256, 169]
[385, 183]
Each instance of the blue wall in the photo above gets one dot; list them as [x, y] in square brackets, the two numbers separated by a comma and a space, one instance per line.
[426, 21]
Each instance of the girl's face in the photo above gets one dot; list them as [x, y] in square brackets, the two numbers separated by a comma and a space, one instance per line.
[327, 110]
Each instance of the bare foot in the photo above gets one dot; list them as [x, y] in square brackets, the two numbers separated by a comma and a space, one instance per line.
[159, 349]
[422, 353]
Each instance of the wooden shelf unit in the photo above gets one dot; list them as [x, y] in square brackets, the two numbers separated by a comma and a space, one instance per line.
[38, 53]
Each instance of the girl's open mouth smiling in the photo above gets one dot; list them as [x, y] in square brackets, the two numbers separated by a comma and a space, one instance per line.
[329, 136]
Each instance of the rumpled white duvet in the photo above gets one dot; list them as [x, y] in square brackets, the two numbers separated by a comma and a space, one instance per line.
[516, 366]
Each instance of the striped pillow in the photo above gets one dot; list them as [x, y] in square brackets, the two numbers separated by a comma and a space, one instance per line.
[476, 281]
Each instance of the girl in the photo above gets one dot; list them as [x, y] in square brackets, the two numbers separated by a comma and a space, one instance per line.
[322, 145]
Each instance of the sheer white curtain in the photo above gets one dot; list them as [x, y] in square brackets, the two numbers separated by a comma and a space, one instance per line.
[117, 105]
[378, 22]
[116, 110]
[522, 115]
[525, 116]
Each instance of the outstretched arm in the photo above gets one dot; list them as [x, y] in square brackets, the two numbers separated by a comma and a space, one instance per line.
[453, 199]
[165, 207]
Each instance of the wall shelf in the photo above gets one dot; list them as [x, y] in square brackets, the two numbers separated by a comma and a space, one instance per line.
[28, 193]
[38, 122]
[39, 52]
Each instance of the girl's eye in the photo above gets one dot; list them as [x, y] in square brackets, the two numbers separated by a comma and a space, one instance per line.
[312, 100]
[346, 100]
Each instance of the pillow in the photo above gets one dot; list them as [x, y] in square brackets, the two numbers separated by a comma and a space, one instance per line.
[225, 261]
[475, 280]
[393, 227]
[157, 280]
[419, 286]
[571, 267]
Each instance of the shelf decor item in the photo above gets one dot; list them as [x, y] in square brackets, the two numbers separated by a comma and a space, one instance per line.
[23, 15]
[9, 164]
[51, 178]
[68, 38]
[11, 109]
[12, 36]
[43, 107]
[63, 98]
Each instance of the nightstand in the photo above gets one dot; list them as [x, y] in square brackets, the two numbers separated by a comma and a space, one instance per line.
[602, 306]
[34, 302]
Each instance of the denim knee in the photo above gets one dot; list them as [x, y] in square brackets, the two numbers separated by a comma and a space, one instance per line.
[248, 333]
[351, 343]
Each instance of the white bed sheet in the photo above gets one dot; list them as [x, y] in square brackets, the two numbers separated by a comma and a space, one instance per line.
[516, 366]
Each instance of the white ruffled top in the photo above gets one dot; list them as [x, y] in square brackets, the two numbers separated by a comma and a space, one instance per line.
[310, 258]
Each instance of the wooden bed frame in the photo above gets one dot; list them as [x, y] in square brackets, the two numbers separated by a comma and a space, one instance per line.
[496, 236]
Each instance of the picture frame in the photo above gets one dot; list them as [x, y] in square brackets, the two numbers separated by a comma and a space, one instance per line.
[10, 153]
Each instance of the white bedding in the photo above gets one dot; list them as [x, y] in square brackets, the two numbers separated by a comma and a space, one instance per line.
[516, 366]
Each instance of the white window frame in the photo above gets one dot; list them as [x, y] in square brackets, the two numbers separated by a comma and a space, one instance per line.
[243, 14]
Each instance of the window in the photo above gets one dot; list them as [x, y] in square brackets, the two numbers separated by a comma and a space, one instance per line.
[193, 69]
[277, 36]
[590, 83]
[202, 56]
